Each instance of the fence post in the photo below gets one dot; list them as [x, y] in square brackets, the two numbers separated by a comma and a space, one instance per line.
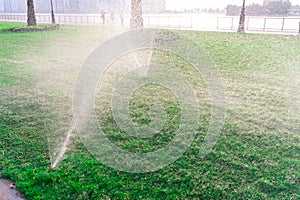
[247, 28]
[282, 24]
[265, 24]
[299, 29]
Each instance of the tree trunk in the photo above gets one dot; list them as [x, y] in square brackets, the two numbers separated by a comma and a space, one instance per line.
[52, 12]
[241, 28]
[136, 20]
[31, 20]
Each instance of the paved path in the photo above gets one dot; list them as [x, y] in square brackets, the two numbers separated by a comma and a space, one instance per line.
[6, 193]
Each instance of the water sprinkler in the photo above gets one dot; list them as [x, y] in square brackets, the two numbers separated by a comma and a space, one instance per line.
[52, 168]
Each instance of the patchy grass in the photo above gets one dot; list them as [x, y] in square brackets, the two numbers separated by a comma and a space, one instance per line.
[22, 27]
[256, 157]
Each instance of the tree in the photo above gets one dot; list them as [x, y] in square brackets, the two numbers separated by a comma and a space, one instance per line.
[272, 8]
[241, 28]
[255, 10]
[233, 10]
[52, 12]
[136, 20]
[278, 8]
[31, 20]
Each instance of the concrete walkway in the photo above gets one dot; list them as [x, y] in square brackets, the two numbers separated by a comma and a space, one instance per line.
[7, 193]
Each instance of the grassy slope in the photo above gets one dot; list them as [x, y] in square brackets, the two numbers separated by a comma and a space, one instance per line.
[256, 157]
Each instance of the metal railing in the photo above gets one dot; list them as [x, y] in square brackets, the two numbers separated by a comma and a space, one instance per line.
[264, 24]
[176, 21]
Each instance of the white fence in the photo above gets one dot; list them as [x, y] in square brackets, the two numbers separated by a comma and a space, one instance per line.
[176, 21]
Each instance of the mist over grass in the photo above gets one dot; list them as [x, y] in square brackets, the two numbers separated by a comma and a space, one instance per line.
[256, 157]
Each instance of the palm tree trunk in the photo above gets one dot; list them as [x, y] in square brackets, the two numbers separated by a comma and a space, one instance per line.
[241, 28]
[136, 20]
[52, 12]
[31, 20]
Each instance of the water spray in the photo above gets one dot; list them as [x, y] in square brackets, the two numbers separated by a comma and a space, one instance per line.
[63, 148]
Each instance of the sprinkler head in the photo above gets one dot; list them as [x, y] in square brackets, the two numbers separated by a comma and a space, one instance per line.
[52, 168]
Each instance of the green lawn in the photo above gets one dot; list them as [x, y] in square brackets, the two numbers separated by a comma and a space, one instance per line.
[8, 26]
[256, 157]
[4, 26]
